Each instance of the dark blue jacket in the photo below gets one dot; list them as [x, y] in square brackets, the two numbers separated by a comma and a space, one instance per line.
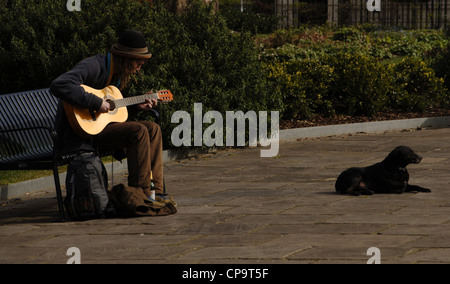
[92, 72]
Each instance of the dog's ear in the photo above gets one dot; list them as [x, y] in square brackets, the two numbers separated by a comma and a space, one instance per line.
[397, 154]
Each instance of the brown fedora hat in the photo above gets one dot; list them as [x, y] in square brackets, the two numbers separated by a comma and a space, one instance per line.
[131, 44]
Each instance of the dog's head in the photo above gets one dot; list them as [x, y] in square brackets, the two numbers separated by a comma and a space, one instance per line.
[404, 156]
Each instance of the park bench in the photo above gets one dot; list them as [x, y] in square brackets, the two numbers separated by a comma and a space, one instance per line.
[28, 140]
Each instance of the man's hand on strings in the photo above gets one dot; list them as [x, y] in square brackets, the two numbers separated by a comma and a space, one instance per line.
[149, 103]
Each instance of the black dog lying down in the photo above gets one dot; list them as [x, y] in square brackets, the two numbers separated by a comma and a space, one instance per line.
[389, 176]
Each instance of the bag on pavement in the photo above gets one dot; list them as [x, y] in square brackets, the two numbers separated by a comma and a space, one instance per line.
[87, 188]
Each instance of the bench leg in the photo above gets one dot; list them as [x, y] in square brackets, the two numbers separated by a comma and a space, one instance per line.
[62, 215]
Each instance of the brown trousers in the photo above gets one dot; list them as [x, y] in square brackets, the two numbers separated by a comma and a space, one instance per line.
[142, 142]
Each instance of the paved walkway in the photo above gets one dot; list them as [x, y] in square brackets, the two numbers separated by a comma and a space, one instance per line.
[235, 207]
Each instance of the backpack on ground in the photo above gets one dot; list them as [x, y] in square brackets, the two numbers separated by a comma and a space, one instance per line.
[87, 188]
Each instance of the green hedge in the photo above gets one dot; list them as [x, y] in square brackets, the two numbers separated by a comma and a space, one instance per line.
[41, 39]
[353, 84]
[357, 70]
[416, 87]
[194, 54]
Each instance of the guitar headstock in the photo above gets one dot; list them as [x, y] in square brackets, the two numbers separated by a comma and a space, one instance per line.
[165, 95]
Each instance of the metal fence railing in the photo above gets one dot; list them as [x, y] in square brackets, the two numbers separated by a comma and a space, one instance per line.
[418, 14]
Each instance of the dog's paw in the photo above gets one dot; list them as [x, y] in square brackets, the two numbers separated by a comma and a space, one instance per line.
[412, 188]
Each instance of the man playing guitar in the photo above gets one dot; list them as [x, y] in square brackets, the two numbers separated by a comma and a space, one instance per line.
[139, 141]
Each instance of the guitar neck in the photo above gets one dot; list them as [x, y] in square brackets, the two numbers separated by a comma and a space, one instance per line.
[134, 100]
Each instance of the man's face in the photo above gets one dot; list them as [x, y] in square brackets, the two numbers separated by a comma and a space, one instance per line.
[137, 64]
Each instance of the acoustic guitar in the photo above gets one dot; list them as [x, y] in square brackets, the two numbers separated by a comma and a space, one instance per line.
[85, 122]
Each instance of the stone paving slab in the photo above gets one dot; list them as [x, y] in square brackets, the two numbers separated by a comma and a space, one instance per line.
[238, 208]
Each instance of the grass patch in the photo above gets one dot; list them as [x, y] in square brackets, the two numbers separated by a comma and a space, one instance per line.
[11, 177]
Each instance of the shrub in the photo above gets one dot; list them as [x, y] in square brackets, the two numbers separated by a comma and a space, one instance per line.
[248, 21]
[356, 85]
[417, 87]
[357, 81]
[41, 39]
[361, 84]
[194, 54]
[201, 61]
[441, 65]
[252, 16]
[349, 34]
[342, 84]
[304, 87]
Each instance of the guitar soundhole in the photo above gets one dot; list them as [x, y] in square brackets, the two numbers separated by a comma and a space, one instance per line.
[112, 105]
